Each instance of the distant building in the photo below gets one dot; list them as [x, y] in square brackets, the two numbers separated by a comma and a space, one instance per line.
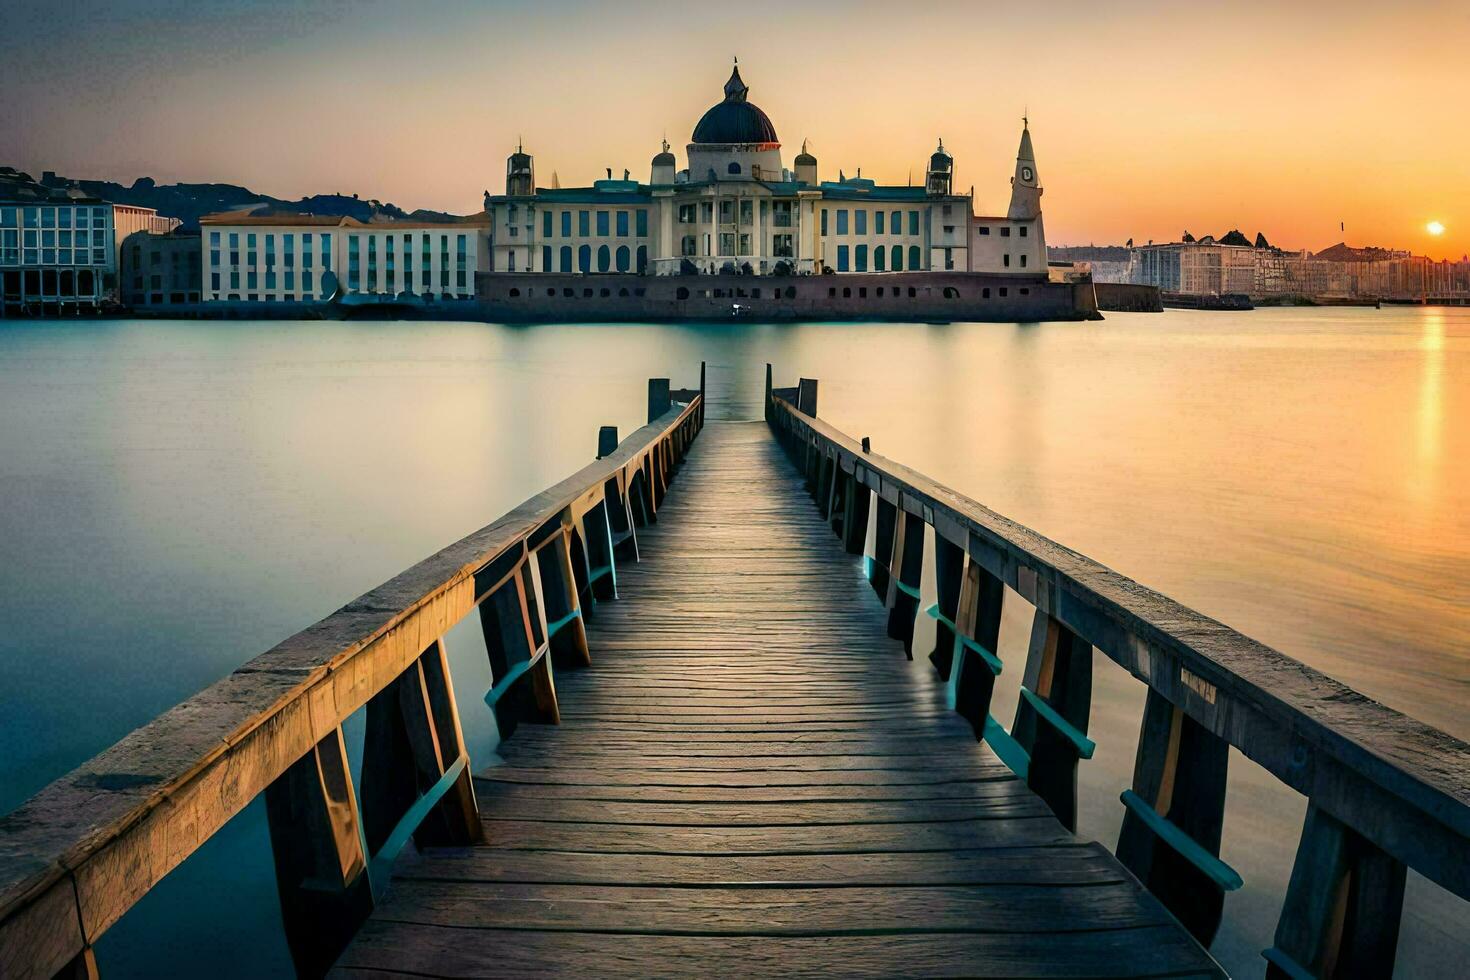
[1203, 268]
[160, 269]
[261, 256]
[129, 219]
[737, 206]
[57, 247]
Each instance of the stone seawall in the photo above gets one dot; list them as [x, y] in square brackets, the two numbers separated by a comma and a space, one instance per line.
[936, 296]
[1125, 297]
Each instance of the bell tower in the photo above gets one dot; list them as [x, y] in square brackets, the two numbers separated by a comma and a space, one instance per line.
[940, 178]
[520, 173]
[1025, 185]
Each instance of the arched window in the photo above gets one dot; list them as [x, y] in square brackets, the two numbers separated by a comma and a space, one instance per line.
[898, 258]
[915, 263]
[584, 258]
[603, 257]
[878, 256]
[566, 258]
[624, 257]
[642, 265]
[734, 167]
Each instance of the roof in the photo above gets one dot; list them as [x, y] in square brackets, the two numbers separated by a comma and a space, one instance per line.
[18, 187]
[293, 219]
[735, 120]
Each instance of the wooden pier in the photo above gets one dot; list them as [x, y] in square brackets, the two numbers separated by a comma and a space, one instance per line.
[722, 756]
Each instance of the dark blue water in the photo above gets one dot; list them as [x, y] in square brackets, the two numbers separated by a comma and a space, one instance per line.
[176, 497]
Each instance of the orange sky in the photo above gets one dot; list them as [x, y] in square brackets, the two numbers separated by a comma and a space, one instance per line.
[1148, 119]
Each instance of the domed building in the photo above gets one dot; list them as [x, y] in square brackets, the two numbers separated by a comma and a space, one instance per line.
[735, 207]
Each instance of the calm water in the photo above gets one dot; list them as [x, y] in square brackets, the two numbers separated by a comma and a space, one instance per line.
[175, 497]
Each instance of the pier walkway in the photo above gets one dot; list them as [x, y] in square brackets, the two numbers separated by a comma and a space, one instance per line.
[752, 779]
[721, 755]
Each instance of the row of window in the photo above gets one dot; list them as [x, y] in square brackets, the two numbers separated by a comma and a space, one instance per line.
[732, 211]
[52, 283]
[64, 216]
[893, 220]
[622, 260]
[252, 280]
[754, 292]
[950, 292]
[606, 221]
[732, 243]
[1005, 230]
[881, 256]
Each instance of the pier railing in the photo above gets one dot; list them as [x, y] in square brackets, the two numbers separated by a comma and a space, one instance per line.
[1384, 791]
[79, 854]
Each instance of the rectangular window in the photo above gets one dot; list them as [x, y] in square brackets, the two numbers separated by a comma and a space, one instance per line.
[252, 279]
[326, 251]
[824, 221]
[1007, 260]
[841, 256]
[913, 222]
[861, 256]
[545, 224]
[566, 224]
[214, 240]
[234, 239]
[214, 281]
[1023, 231]
[290, 281]
[622, 224]
[841, 221]
[1005, 232]
[860, 222]
[686, 214]
[305, 281]
[545, 258]
[984, 229]
[747, 211]
[877, 222]
[602, 224]
[641, 228]
[584, 223]
[250, 240]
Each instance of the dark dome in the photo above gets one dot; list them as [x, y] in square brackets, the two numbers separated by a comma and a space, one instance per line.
[735, 120]
[665, 159]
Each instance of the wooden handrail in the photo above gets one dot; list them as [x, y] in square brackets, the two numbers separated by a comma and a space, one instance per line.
[83, 850]
[1378, 779]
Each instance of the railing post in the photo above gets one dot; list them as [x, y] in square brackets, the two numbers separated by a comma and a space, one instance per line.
[806, 397]
[855, 502]
[1179, 772]
[412, 740]
[1059, 675]
[607, 441]
[320, 868]
[767, 403]
[949, 577]
[1343, 906]
[703, 397]
[835, 509]
[597, 539]
[505, 619]
[904, 577]
[567, 634]
[658, 397]
[981, 598]
[883, 548]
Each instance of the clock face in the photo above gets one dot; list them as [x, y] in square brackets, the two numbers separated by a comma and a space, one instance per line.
[1027, 174]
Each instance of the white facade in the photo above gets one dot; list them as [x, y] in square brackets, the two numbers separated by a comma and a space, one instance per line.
[56, 253]
[282, 258]
[737, 204]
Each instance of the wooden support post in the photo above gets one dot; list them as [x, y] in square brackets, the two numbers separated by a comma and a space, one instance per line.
[906, 573]
[1343, 906]
[607, 441]
[806, 397]
[703, 398]
[1179, 771]
[567, 635]
[621, 522]
[505, 618]
[822, 492]
[883, 548]
[83, 966]
[981, 598]
[1058, 673]
[597, 541]
[659, 401]
[543, 683]
[320, 868]
[767, 402]
[835, 510]
[949, 576]
[413, 738]
[855, 516]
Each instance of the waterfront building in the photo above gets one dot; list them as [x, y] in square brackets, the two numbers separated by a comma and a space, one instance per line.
[57, 247]
[160, 269]
[738, 207]
[257, 255]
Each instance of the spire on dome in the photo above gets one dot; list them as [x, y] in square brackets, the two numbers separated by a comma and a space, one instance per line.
[735, 88]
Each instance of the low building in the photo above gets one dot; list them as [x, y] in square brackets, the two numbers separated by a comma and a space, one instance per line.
[58, 252]
[262, 256]
[160, 269]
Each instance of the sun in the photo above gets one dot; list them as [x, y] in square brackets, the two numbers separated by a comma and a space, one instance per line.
[1435, 228]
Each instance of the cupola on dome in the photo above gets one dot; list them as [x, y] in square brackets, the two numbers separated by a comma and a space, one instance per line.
[735, 120]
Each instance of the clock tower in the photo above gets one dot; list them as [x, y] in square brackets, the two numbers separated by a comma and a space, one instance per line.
[1025, 188]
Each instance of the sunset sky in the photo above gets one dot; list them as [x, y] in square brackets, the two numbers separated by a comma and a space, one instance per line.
[1148, 118]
